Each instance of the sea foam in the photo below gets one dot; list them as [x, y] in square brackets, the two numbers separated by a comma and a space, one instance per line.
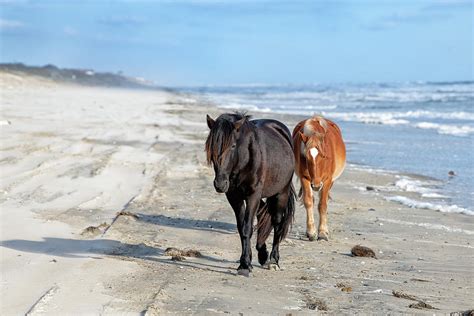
[425, 188]
[384, 118]
[429, 206]
[455, 130]
[393, 118]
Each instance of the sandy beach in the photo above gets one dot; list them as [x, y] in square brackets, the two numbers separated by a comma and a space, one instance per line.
[97, 183]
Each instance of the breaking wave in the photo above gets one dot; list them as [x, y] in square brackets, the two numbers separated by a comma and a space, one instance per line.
[429, 206]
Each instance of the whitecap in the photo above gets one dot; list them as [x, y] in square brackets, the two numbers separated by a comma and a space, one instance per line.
[429, 206]
[385, 118]
[454, 130]
[460, 115]
[249, 107]
[425, 188]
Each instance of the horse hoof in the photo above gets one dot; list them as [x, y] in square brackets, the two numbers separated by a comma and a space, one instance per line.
[323, 237]
[245, 267]
[311, 237]
[273, 267]
[262, 257]
[244, 272]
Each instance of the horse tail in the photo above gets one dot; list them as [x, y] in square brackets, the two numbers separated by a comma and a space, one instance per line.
[289, 215]
[300, 193]
[264, 226]
[264, 223]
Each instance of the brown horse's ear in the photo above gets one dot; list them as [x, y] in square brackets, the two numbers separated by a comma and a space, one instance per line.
[210, 121]
[239, 123]
[323, 123]
[304, 138]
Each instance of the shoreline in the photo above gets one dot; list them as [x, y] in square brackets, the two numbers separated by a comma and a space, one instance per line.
[79, 157]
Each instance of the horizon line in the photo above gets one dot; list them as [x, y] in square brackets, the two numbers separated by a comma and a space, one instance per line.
[241, 85]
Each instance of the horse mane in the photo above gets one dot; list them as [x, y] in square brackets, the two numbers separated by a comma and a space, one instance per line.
[219, 137]
[316, 125]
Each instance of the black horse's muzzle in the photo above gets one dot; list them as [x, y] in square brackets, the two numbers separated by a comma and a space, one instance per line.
[221, 185]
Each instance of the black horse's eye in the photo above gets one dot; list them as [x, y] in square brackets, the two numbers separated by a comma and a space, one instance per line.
[233, 146]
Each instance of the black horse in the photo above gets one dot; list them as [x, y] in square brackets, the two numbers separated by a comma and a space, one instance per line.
[254, 160]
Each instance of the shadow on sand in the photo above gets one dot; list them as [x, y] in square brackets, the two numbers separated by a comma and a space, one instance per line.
[98, 248]
[189, 223]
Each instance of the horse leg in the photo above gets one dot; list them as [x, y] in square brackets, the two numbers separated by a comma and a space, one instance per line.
[323, 232]
[277, 207]
[262, 234]
[308, 204]
[252, 204]
[239, 210]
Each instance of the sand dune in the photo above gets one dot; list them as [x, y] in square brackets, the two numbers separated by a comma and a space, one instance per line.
[73, 157]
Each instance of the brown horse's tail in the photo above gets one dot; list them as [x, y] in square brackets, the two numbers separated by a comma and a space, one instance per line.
[264, 218]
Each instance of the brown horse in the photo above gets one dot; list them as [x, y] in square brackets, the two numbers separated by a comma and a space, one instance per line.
[320, 158]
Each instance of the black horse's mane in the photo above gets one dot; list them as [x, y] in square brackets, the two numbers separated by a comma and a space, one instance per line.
[219, 138]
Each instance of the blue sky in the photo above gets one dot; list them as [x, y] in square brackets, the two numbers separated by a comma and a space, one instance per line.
[194, 42]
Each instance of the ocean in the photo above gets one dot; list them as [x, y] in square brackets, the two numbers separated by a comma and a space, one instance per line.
[423, 128]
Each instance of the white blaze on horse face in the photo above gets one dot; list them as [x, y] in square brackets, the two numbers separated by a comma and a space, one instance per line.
[314, 152]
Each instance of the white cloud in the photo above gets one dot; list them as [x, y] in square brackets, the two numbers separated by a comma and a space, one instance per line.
[7, 2]
[10, 24]
[70, 31]
[205, 2]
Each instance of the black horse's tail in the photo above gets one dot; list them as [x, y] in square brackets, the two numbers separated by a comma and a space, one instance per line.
[300, 193]
[264, 218]
[264, 223]
[289, 215]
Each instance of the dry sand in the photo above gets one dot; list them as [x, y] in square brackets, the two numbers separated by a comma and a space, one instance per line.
[73, 157]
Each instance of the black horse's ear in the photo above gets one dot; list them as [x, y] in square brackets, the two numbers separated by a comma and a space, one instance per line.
[239, 123]
[210, 121]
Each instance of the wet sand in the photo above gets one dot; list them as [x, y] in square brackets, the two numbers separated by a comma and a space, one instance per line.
[98, 182]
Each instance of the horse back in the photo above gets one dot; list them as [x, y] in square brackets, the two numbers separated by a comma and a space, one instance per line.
[274, 141]
[269, 126]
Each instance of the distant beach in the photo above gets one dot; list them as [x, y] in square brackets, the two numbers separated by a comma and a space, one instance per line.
[101, 186]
